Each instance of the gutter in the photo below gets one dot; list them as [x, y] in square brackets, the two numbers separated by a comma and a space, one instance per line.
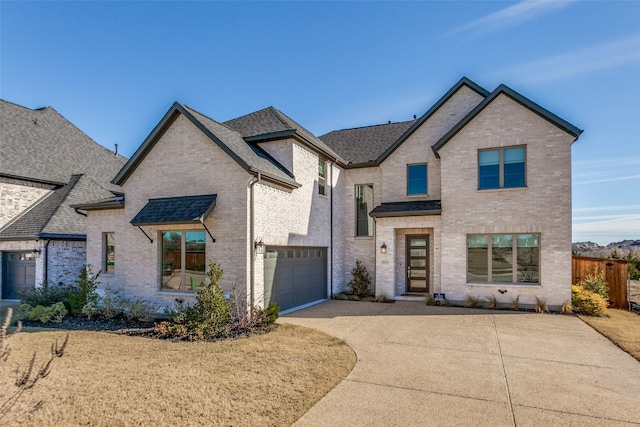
[331, 230]
[252, 238]
[46, 261]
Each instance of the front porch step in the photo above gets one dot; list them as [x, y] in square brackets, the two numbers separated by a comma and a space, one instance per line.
[410, 297]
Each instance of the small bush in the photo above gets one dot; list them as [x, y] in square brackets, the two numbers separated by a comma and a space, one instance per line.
[46, 294]
[588, 302]
[83, 292]
[473, 302]
[493, 303]
[360, 281]
[341, 296]
[382, 298]
[53, 313]
[354, 298]
[541, 305]
[515, 303]
[595, 282]
[566, 308]
[445, 303]
[428, 300]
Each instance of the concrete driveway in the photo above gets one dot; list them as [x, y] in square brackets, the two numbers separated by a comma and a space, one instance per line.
[420, 365]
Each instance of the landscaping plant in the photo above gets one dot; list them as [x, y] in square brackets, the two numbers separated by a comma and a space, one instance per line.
[588, 302]
[360, 280]
[595, 282]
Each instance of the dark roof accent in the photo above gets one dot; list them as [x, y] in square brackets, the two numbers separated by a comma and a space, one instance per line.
[42, 146]
[363, 145]
[413, 208]
[53, 214]
[176, 210]
[116, 202]
[229, 140]
[371, 145]
[520, 99]
[270, 124]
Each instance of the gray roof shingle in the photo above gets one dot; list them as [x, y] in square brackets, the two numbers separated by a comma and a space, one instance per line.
[365, 144]
[41, 145]
[175, 210]
[413, 208]
[269, 121]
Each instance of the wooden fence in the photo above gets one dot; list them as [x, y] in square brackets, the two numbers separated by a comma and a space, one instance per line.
[615, 274]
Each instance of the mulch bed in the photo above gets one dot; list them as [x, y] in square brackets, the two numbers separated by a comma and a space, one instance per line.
[119, 324]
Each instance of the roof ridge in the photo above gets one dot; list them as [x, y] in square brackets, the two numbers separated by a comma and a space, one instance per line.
[279, 115]
[370, 126]
[41, 109]
[213, 120]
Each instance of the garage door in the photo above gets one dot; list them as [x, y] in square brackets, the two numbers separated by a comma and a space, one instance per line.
[294, 276]
[19, 271]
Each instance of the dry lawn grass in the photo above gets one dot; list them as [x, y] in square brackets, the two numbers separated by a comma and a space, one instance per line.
[621, 327]
[112, 380]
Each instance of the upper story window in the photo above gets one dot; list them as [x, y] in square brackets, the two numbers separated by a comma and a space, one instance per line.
[416, 179]
[502, 168]
[108, 252]
[322, 177]
[183, 260]
[364, 205]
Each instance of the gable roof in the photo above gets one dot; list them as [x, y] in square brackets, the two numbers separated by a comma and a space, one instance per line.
[41, 145]
[371, 145]
[53, 216]
[251, 159]
[520, 99]
[270, 123]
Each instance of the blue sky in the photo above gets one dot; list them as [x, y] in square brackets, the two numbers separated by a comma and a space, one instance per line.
[114, 68]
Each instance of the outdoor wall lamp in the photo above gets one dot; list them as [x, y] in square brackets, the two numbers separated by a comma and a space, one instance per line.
[383, 248]
[259, 246]
[36, 253]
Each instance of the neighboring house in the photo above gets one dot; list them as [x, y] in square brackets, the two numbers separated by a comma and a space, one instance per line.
[46, 164]
[472, 198]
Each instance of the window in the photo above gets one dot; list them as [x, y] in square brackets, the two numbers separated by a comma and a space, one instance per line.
[108, 253]
[491, 258]
[183, 260]
[364, 205]
[416, 179]
[501, 168]
[322, 177]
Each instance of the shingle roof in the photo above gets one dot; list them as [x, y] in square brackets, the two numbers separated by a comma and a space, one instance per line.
[271, 123]
[175, 210]
[229, 140]
[53, 216]
[42, 145]
[365, 144]
[371, 145]
[413, 208]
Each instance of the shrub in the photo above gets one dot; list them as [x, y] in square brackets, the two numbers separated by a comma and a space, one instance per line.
[541, 305]
[83, 292]
[493, 303]
[382, 298]
[341, 296]
[46, 294]
[53, 313]
[595, 282]
[360, 280]
[428, 300]
[515, 303]
[473, 302]
[588, 302]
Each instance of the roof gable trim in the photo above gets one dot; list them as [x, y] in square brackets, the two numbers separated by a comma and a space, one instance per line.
[464, 81]
[520, 99]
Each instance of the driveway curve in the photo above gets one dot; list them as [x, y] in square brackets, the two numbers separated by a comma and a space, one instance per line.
[419, 365]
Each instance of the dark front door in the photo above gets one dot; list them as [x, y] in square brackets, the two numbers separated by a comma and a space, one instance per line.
[417, 263]
[20, 274]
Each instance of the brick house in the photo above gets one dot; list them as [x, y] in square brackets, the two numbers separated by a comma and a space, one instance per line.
[471, 198]
[46, 165]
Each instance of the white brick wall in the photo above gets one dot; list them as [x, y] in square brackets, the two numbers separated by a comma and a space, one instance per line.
[183, 162]
[66, 259]
[15, 197]
[543, 207]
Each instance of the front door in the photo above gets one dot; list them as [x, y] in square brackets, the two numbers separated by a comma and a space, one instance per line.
[417, 263]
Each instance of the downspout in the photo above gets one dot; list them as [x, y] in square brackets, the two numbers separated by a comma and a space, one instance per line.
[252, 238]
[45, 274]
[331, 230]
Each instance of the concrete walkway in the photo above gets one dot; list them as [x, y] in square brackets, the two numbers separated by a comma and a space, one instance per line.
[420, 365]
